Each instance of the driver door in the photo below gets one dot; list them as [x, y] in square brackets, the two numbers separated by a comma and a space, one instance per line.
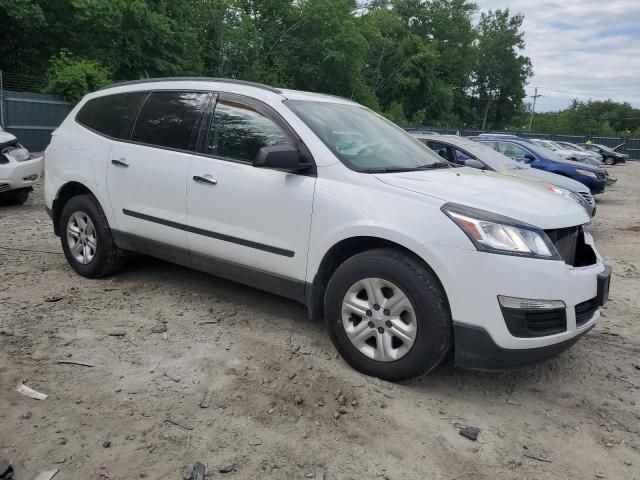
[252, 217]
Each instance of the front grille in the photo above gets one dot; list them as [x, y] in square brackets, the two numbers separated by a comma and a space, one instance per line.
[565, 240]
[588, 198]
[534, 323]
[571, 246]
[4, 187]
[585, 311]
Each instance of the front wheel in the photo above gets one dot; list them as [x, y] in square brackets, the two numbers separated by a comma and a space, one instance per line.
[387, 315]
[609, 161]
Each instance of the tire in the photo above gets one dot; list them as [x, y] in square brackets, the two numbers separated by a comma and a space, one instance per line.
[15, 197]
[427, 308]
[609, 161]
[107, 258]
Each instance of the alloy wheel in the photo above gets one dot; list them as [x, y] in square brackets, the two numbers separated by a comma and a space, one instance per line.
[379, 319]
[81, 238]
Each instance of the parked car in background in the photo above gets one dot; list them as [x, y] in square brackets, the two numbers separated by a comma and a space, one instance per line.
[610, 156]
[19, 170]
[566, 153]
[322, 200]
[466, 152]
[526, 151]
[572, 146]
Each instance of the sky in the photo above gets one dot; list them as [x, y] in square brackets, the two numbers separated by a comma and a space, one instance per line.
[580, 49]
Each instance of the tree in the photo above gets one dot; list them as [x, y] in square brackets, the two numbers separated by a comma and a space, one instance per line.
[501, 70]
[74, 77]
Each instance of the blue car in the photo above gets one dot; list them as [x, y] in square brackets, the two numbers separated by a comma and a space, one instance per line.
[525, 151]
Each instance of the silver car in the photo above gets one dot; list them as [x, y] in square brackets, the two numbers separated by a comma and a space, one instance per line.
[463, 151]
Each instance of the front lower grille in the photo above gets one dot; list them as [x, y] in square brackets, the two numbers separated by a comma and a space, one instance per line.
[534, 323]
[571, 246]
[4, 187]
[585, 311]
[588, 198]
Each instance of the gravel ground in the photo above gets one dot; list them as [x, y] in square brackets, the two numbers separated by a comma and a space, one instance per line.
[242, 379]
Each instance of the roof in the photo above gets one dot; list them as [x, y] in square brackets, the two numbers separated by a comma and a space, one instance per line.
[193, 79]
[285, 93]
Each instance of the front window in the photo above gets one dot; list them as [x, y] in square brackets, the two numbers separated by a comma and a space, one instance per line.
[363, 140]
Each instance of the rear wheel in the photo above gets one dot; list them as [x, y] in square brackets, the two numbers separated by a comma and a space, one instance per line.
[387, 315]
[86, 238]
[15, 197]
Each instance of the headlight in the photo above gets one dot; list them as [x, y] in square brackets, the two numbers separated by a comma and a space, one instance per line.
[588, 173]
[564, 192]
[494, 233]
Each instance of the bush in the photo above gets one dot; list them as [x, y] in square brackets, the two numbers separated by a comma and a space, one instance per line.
[74, 77]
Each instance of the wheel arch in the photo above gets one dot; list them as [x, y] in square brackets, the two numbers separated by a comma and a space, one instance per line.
[65, 193]
[342, 251]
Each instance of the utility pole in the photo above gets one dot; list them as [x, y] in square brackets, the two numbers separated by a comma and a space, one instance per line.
[533, 108]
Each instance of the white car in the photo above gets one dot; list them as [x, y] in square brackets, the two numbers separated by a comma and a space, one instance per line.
[19, 170]
[403, 255]
[564, 152]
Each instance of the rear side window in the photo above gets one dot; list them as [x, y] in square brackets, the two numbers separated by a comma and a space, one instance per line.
[110, 115]
[238, 131]
[170, 119]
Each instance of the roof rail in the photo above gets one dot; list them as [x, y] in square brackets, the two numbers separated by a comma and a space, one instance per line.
[193, 79]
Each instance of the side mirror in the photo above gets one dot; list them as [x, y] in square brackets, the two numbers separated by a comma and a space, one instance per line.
[529, 158]
[473, 163]
[280, 157]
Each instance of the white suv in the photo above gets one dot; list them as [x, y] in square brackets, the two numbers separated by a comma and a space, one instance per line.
[321, 200]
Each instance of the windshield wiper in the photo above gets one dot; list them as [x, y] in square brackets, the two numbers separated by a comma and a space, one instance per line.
[431, 166]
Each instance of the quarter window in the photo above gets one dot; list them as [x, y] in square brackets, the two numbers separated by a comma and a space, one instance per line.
[238, 131]
[170, 119]
[111, 115]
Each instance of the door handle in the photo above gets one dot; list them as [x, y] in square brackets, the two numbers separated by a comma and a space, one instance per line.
[206, 179]
[120, 163]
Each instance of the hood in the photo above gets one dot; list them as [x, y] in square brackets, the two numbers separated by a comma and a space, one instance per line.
[521, 200]
[573, 163]
[535, 174]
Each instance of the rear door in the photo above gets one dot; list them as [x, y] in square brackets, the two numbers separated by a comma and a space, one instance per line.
[147, 175]
[253, 217]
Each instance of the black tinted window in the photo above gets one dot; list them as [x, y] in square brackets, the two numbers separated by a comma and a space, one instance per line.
[110, 115]
[238, 131]
[170, 119]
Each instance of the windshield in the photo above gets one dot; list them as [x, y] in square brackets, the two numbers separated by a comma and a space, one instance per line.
[363, 140]
[557, 145]
[494, 159]
[538, 151]
[604, 147]
[547, 145]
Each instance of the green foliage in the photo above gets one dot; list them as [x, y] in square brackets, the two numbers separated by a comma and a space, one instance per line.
[74, 77]
[591, 118]
[416, 61]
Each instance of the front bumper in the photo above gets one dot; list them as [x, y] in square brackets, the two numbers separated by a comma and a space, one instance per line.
[596, 185]
[15, 175]
[476, 350]
[473, 281]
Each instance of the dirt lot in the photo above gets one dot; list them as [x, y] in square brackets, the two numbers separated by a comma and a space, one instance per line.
[278, 401]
